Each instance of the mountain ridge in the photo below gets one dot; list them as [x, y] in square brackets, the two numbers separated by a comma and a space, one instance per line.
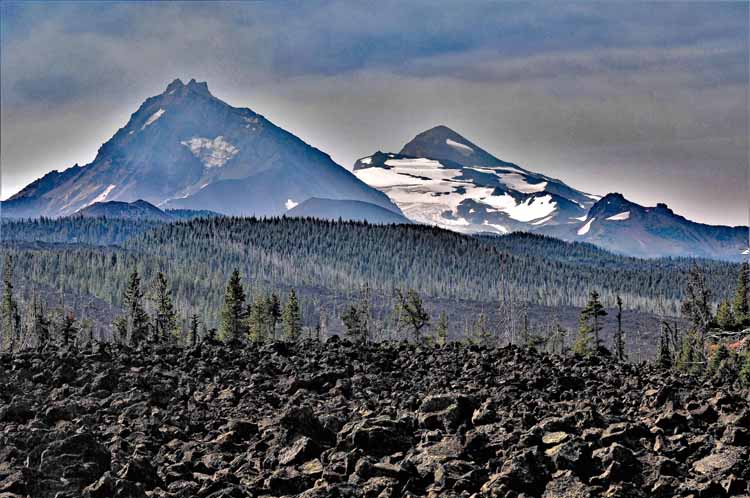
[441, 178]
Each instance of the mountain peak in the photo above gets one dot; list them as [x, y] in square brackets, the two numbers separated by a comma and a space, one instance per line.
[443, 143]
[177, 85]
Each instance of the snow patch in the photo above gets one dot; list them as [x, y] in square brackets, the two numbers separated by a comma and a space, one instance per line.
[152, 119]
[519, 183]
[212, 153]
[462, 148]
[366, 160]
[585, 228]
[103, 196]
[746, 251]
[290, 204]
[620, 217]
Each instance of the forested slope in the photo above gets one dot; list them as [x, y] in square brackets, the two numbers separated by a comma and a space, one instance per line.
[331, 258]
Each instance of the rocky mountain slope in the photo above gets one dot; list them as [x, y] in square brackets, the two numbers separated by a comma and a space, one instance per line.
[383, 420]
[441, 178]
[186, 148]
[625, 227]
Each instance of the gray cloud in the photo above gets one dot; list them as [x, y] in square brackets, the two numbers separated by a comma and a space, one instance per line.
[649, 99]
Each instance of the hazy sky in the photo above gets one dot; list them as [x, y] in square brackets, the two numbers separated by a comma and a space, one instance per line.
[648, 99]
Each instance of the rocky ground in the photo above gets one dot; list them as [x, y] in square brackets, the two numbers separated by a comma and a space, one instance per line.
[380, 421]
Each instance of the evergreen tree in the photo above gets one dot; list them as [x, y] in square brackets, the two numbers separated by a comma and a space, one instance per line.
[619, 336]
[68, 328]
[441, 329]
[233, 313]
[356, 318]
[120, 329]
[589, 327]
[718, 359]
[696, 307]
[275, 313]
[192, 338]
[482, 335]
[354, 323]
[664, 357]
[411, 310]
[10, 318]
[165, 319]
[261, 318]
[137, 319]
[690, 359]
[724, 316]
[741, 296]
[292, 317]
[41, 324]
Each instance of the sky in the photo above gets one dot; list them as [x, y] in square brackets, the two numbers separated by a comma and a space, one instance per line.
[646, 99]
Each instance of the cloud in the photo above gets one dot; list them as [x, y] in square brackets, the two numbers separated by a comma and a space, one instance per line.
[596, 94]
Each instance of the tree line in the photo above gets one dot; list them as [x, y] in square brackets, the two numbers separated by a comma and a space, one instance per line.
[715, 341]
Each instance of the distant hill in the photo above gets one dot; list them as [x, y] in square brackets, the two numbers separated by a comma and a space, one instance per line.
[138, 210]
[331, 209]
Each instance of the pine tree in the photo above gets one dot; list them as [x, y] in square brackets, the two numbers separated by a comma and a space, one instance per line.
[10, 318]
[41, 324]
[292, 317]
[589, 327]
[120, 329]
[441, 329]
[718, 359]
[193, 330]
[741, 296]
[690, 359]
[664, 357]
[275, 313]
[68, 328]
[355, 327]
[261, 318]
[696, 306]
[233, 313]
[724, 316]
[412, 311]
[165, 319]
[482, 335]
[619, 336]
[137, 319]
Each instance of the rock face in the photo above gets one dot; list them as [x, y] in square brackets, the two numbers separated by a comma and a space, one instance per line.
[338, 419]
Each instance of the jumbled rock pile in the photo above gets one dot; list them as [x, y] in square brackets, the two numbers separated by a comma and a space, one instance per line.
[343, 420]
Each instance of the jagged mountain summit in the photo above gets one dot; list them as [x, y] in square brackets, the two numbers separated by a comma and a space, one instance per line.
[625, 227]
[441, 178]
[186, 148]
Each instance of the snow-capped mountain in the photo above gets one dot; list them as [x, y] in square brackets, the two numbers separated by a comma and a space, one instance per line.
[625, 227]
[187, 149]
[441, 178]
